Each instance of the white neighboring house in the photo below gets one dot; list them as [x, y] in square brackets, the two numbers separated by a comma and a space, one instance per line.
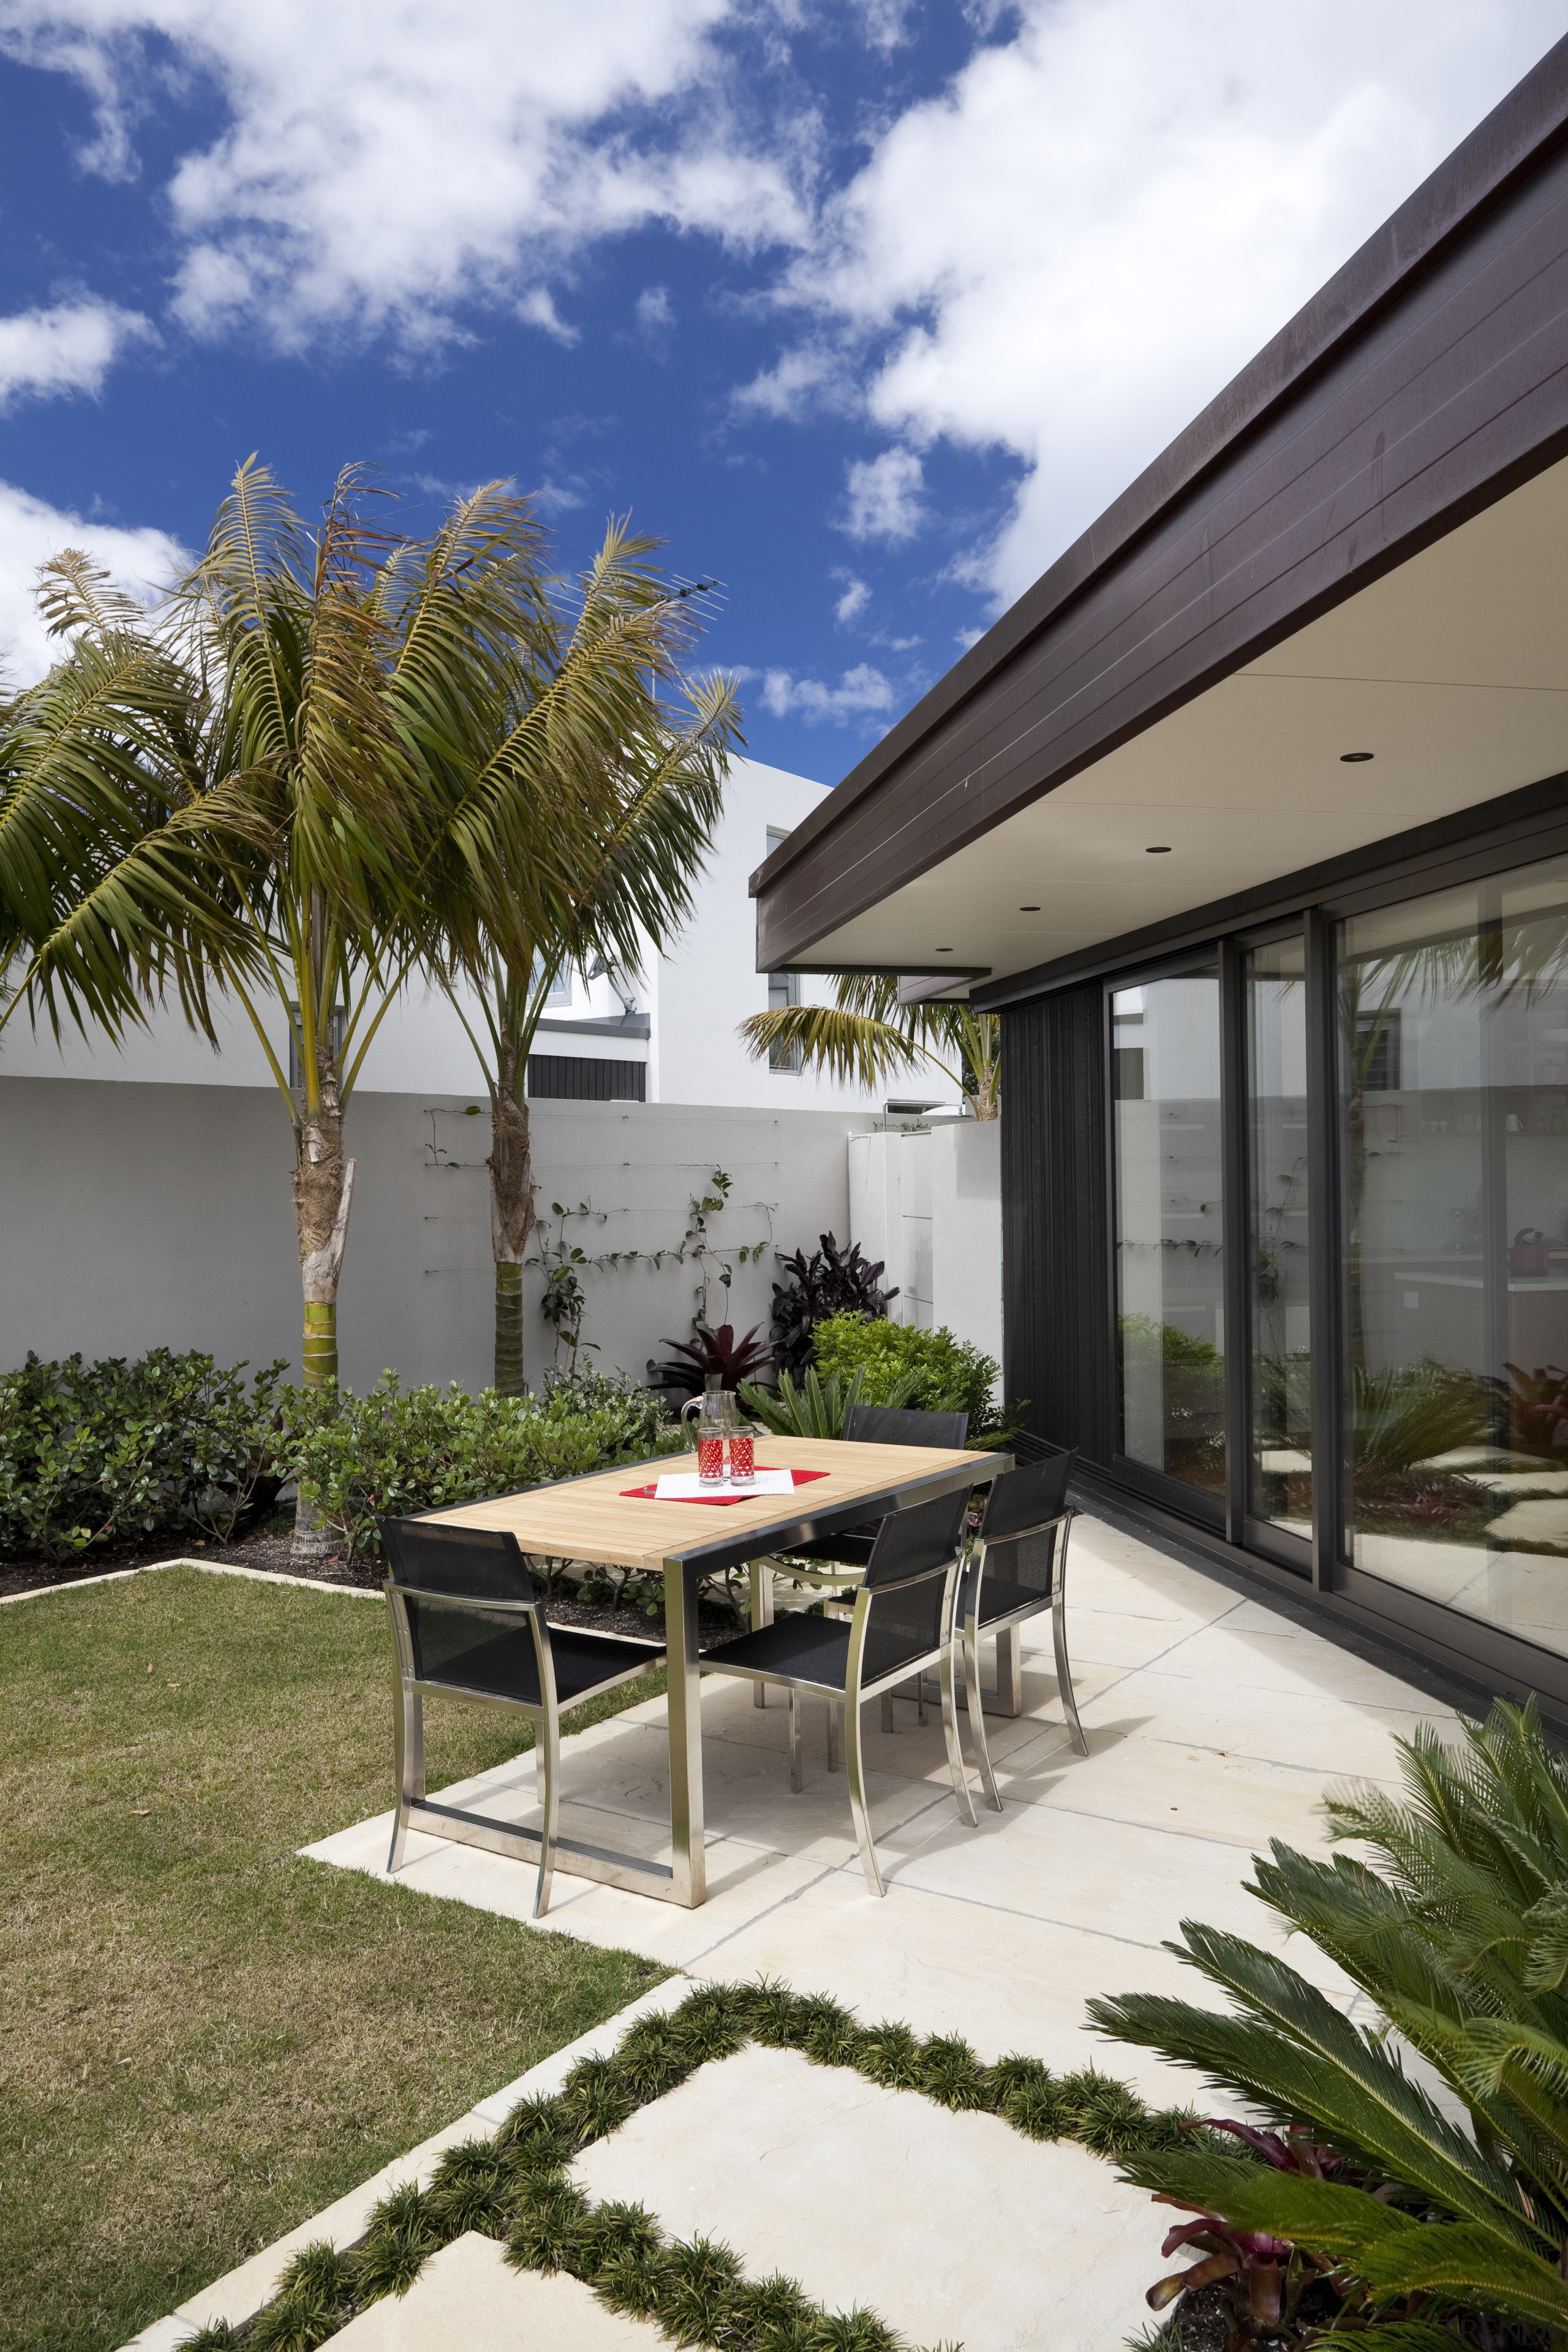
[664, 1034]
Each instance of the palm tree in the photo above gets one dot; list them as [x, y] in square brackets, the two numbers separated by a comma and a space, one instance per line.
[870, 1038]
[298, 786]
[630, 884]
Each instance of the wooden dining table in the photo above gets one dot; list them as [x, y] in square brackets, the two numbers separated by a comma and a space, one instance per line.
[604, 1517]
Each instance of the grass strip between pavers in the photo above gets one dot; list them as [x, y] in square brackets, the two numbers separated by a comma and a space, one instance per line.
[515, 2187]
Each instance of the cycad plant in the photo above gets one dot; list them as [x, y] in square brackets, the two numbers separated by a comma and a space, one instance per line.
[1457, 1930]
[816, 1407]
[869, 1039]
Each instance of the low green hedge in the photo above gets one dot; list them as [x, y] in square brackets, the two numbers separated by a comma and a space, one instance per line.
[422, 1449]
[949, 1375]
[108, 1454]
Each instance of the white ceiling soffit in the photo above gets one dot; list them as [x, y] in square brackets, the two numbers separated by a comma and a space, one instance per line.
[1452, 671]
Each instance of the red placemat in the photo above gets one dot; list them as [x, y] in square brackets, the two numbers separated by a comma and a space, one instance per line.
[722, 1502]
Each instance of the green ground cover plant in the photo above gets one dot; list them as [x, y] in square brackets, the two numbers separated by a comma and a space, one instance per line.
[516, 2187]
[207, 2038]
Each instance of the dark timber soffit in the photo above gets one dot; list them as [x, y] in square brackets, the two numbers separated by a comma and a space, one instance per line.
[1428, 378]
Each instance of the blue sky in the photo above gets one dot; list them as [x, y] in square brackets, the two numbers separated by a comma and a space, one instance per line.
[866, 308]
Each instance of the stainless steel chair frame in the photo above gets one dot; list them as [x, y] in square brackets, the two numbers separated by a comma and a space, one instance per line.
[856, 1689]
[971, 1629]
[838, 1584]
[414, 1807]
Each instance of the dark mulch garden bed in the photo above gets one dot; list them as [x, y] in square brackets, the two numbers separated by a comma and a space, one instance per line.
[270, 1548]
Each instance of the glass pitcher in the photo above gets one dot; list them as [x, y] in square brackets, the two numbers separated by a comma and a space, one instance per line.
[717, 1421]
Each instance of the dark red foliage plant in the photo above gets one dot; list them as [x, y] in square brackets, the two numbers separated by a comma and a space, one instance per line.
[1265, 2281]
[686, 1372]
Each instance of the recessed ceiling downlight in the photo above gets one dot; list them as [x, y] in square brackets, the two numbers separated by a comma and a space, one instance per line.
[1158, 849]
[1353, 759]
[1028, 911]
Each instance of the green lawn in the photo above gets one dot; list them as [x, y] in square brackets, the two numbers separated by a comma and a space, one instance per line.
[206, 2040]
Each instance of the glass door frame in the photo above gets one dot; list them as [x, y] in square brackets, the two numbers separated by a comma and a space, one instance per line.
[1205, 1511]
[1320, 1563]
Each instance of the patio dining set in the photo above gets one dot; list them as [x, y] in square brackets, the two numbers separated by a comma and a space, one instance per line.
[893, 1591]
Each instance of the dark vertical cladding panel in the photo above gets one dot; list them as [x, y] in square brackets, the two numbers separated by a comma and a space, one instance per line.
[1055, 1237]
[577, 1077]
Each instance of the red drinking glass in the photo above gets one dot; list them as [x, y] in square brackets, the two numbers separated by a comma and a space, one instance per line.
[742, 1455]
[710, 1459]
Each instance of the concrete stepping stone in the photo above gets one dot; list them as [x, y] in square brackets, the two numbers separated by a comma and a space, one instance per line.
[950, 2228]
[469, 2295]
[1542, 1521]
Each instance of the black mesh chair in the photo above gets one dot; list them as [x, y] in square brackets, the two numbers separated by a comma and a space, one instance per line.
[902, 1623]
[469, 1620]
[838, 1562]
[1017, 1569]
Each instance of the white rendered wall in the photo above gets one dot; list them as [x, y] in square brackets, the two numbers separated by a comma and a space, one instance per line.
[927, 1202]
[965, 1160]
[138, 1216]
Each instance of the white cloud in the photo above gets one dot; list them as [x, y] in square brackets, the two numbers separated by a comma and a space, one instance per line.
[655, 310]
[69, 347]
[1070, 250]
[883, 500]
[862, 692]
[853, 601]
[30, 532]
[426, 158]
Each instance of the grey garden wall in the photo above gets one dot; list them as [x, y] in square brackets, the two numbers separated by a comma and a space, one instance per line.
[139, 1215]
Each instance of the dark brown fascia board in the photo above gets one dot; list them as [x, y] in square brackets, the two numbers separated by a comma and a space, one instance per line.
[1503, 148]
[960, 971]
[1531, 823]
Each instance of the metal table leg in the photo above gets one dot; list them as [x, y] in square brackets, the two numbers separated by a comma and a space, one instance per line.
[1009, 1672]
[689, 1854]
[761, 1612]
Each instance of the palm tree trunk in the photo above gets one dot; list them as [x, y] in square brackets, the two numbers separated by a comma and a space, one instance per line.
[323, 1189]
[511, 1212]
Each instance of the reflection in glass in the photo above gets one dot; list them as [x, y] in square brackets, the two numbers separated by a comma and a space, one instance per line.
[1281, 1473]
[1454, 1056]
[1168, 1224]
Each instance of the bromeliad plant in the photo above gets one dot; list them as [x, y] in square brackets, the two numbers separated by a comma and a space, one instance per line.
[686, 1372]
[1430, 2231]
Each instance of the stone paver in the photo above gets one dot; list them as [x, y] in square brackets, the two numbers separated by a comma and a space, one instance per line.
[952, 2228]
[469, 2299]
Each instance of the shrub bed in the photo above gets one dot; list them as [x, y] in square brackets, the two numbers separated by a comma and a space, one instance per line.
[930, 1370]
[104, 1456]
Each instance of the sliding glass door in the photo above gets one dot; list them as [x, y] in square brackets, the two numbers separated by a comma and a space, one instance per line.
[1454, 1124]
[1169, 1229]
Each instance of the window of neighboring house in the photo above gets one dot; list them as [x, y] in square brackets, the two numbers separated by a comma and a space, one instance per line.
[783, 987]
[560, 987]
[296, 1076]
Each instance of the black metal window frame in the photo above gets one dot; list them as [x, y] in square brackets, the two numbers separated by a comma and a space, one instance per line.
[1484, 1654]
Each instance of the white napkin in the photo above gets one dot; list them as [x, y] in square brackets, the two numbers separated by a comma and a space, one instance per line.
[686, 1487]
